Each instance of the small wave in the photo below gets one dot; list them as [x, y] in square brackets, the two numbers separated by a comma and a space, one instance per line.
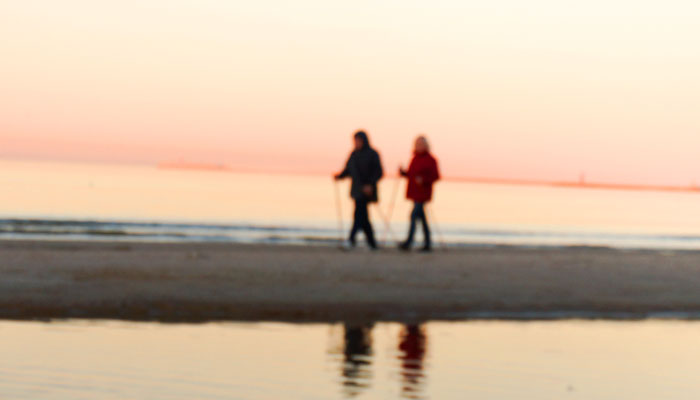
[320, 234]
[158, 231]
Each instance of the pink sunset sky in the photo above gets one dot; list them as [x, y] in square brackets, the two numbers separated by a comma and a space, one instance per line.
[540, 89]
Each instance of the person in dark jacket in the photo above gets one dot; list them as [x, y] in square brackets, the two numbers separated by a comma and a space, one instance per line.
[365, 169]
[422, 173]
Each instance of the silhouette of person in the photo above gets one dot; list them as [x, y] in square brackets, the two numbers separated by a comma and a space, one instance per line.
[422, 173]
[412, 347]
[365, 169]
[357, 353]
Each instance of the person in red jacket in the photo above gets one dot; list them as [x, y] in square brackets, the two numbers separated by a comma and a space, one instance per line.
[422, 174]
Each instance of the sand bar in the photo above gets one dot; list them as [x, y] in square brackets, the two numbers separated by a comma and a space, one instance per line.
[203, 282]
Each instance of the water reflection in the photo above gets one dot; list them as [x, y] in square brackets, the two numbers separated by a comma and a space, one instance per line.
[412, 347]
[357, 361]
[630, 360]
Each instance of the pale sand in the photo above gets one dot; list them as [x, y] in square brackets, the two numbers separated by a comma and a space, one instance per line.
[199, 282]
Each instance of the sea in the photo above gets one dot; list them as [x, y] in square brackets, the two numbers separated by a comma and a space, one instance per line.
[475, 359]
[44, 200]
[572, 359]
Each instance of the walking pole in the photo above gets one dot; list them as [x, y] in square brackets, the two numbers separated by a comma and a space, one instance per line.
[339, 213]
[431, 216]
[393, 198]
[387, 225]
[387, 217]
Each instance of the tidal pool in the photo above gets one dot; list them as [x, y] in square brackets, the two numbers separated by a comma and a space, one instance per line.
[436, 360]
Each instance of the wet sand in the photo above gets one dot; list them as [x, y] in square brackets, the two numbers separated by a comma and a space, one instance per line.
[202, 282]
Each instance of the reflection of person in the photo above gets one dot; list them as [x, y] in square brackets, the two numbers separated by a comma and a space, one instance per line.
[422, 174]
[412, 345]
[357, 352]
[365, 169]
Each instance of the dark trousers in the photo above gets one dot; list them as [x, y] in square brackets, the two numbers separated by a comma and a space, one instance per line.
[418, 213]
[362, 222]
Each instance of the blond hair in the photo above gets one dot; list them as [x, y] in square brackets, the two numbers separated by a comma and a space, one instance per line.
[424, 140]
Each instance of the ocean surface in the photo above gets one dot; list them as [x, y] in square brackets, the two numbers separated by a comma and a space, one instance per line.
[72, 201]
[655, 359]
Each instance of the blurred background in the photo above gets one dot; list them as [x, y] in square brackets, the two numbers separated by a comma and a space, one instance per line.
[159, 112]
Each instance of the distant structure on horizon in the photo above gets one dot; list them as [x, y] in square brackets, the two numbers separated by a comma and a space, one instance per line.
[581, 183]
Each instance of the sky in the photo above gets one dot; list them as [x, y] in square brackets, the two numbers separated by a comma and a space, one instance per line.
[543, 89]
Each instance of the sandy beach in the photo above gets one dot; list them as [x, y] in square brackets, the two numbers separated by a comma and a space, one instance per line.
[202, 282]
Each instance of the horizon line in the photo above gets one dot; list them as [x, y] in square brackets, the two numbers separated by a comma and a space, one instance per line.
[222, 167]
[581, 184]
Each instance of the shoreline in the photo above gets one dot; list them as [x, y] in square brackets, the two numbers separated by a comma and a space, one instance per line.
[200, 282]
[456, 238]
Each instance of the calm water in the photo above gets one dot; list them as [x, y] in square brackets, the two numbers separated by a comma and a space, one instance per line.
[97, 202]
[655, 359]
[476, 360]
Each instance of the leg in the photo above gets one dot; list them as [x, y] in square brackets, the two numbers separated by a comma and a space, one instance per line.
[367, 226]
[412, 229]
[426, 228]
[356, 221]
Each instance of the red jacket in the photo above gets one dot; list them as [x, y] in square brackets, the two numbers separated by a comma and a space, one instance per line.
[424, 166]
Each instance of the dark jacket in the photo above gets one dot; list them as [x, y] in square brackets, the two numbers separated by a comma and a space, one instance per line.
[425, 166]
[365, 168]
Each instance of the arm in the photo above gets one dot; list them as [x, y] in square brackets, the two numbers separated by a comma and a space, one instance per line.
[377, 171]
[437, 172]
[346, 171]
[432, 174]
[428, 174]
[406, 173]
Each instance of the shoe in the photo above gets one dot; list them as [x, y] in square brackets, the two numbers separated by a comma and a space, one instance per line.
[426, 249]
[404, 246]
[347, 246]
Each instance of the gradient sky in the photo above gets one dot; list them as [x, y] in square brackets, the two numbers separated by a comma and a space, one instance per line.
[540, 89]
